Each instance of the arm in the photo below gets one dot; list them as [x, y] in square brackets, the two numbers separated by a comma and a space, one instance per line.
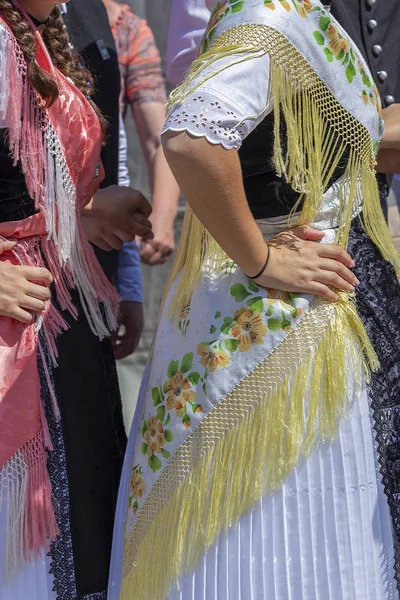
[129, 276]
[149, 119]
[187, 23]
[388, 159]
[145, 92]
[206, 165]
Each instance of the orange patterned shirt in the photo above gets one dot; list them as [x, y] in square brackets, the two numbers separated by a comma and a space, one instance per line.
[139, 60]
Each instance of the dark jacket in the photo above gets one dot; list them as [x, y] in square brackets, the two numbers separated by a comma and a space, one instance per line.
[375, 27]
[90, 33]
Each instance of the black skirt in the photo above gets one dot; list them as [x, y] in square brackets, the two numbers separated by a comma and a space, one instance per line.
[85, 465]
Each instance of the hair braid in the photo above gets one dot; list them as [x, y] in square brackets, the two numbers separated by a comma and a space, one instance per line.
[42, 82]
[64, 57]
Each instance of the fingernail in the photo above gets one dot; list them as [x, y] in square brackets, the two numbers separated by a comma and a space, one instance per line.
[352, 288]
[356, 281]
[352, 264]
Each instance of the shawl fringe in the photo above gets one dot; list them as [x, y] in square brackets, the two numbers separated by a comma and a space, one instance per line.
[292, 401]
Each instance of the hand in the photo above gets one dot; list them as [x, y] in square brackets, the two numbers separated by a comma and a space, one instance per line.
[298, 263]
[100, 235]
[158, 250]
[388, 161]
[121, 209]
[391, 135]
[22, 289]
[131, 319]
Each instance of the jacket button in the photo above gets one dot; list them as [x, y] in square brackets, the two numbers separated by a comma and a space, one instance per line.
[371, 3]
[389, 99]
[372, 24]
[377, 49]
[382, 76]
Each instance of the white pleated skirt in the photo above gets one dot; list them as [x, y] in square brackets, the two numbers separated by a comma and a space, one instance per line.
[326, 535]
[33, 582]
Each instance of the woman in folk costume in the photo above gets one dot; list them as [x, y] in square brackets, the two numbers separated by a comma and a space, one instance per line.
[61, 452]
[262, 459]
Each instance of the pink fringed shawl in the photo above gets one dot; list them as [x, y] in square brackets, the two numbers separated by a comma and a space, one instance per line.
[59, 150]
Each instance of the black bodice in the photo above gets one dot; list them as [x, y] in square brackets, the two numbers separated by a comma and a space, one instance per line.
[15, 202]
[267, 194]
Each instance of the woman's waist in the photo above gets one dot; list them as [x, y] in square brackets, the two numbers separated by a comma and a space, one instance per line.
[327, 219]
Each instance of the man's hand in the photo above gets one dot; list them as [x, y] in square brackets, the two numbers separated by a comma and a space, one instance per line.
[121, 209]
[131, 322]
[159, 249]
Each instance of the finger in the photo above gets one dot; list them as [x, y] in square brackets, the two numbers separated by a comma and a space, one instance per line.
[124, 235]
[38, 291]
[146, 253]
[6, 245]
[319, 289]
[305, 232]
[335, 252]
[112, 240]
[37, 274]
[33, 304]
[100, 243]
[341, 269]
[335, 280]
[22, 316]
[157, 258]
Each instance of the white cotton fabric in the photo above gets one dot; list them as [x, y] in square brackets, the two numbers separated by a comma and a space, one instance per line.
[33, 581]
[325, 536]
[222, 110]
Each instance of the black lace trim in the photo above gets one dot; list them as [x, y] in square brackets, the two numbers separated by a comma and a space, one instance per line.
[379, 308]
[61, 552]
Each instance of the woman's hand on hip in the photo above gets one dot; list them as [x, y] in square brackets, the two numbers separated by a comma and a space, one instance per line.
[23, 290]
[298, 262]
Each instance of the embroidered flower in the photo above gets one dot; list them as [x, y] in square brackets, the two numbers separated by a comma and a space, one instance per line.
[212, 358]
[338, 43]
[138, 486]
[270, 4]
[286, 5]
[179, 393]
[185, 311]
[304, 8]
[154, 436]
[249, 329]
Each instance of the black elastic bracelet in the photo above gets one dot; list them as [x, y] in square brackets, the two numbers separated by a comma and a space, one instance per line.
[263, 269]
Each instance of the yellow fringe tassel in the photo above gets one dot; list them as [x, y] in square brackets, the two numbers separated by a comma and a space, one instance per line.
[248, 445]
[320, 135]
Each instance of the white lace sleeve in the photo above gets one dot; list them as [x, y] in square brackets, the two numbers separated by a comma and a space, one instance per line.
[227, 107]
[3, 77]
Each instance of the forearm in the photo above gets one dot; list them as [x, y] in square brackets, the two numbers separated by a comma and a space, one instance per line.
[165, 190]
[149, 118]
[211, 180]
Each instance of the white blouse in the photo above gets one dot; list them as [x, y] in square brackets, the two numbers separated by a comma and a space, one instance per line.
[229, 106]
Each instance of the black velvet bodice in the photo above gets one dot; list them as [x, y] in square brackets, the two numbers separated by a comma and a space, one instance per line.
[267, 194]
[15, 202]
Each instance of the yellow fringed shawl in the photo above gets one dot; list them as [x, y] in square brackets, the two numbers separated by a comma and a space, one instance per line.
[296, 396]
[320, 133]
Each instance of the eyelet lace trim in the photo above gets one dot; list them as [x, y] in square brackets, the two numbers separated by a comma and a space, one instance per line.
[205, 116]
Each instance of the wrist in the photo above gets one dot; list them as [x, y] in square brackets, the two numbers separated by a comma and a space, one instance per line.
[263, 268]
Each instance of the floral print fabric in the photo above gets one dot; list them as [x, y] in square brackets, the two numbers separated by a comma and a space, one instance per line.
[230, 326]
[321, 40]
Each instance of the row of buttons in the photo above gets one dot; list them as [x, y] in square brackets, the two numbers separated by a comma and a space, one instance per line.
[377, 50]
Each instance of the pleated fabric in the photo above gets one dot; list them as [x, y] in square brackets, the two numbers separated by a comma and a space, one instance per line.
[33, 582]
[326, 535]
